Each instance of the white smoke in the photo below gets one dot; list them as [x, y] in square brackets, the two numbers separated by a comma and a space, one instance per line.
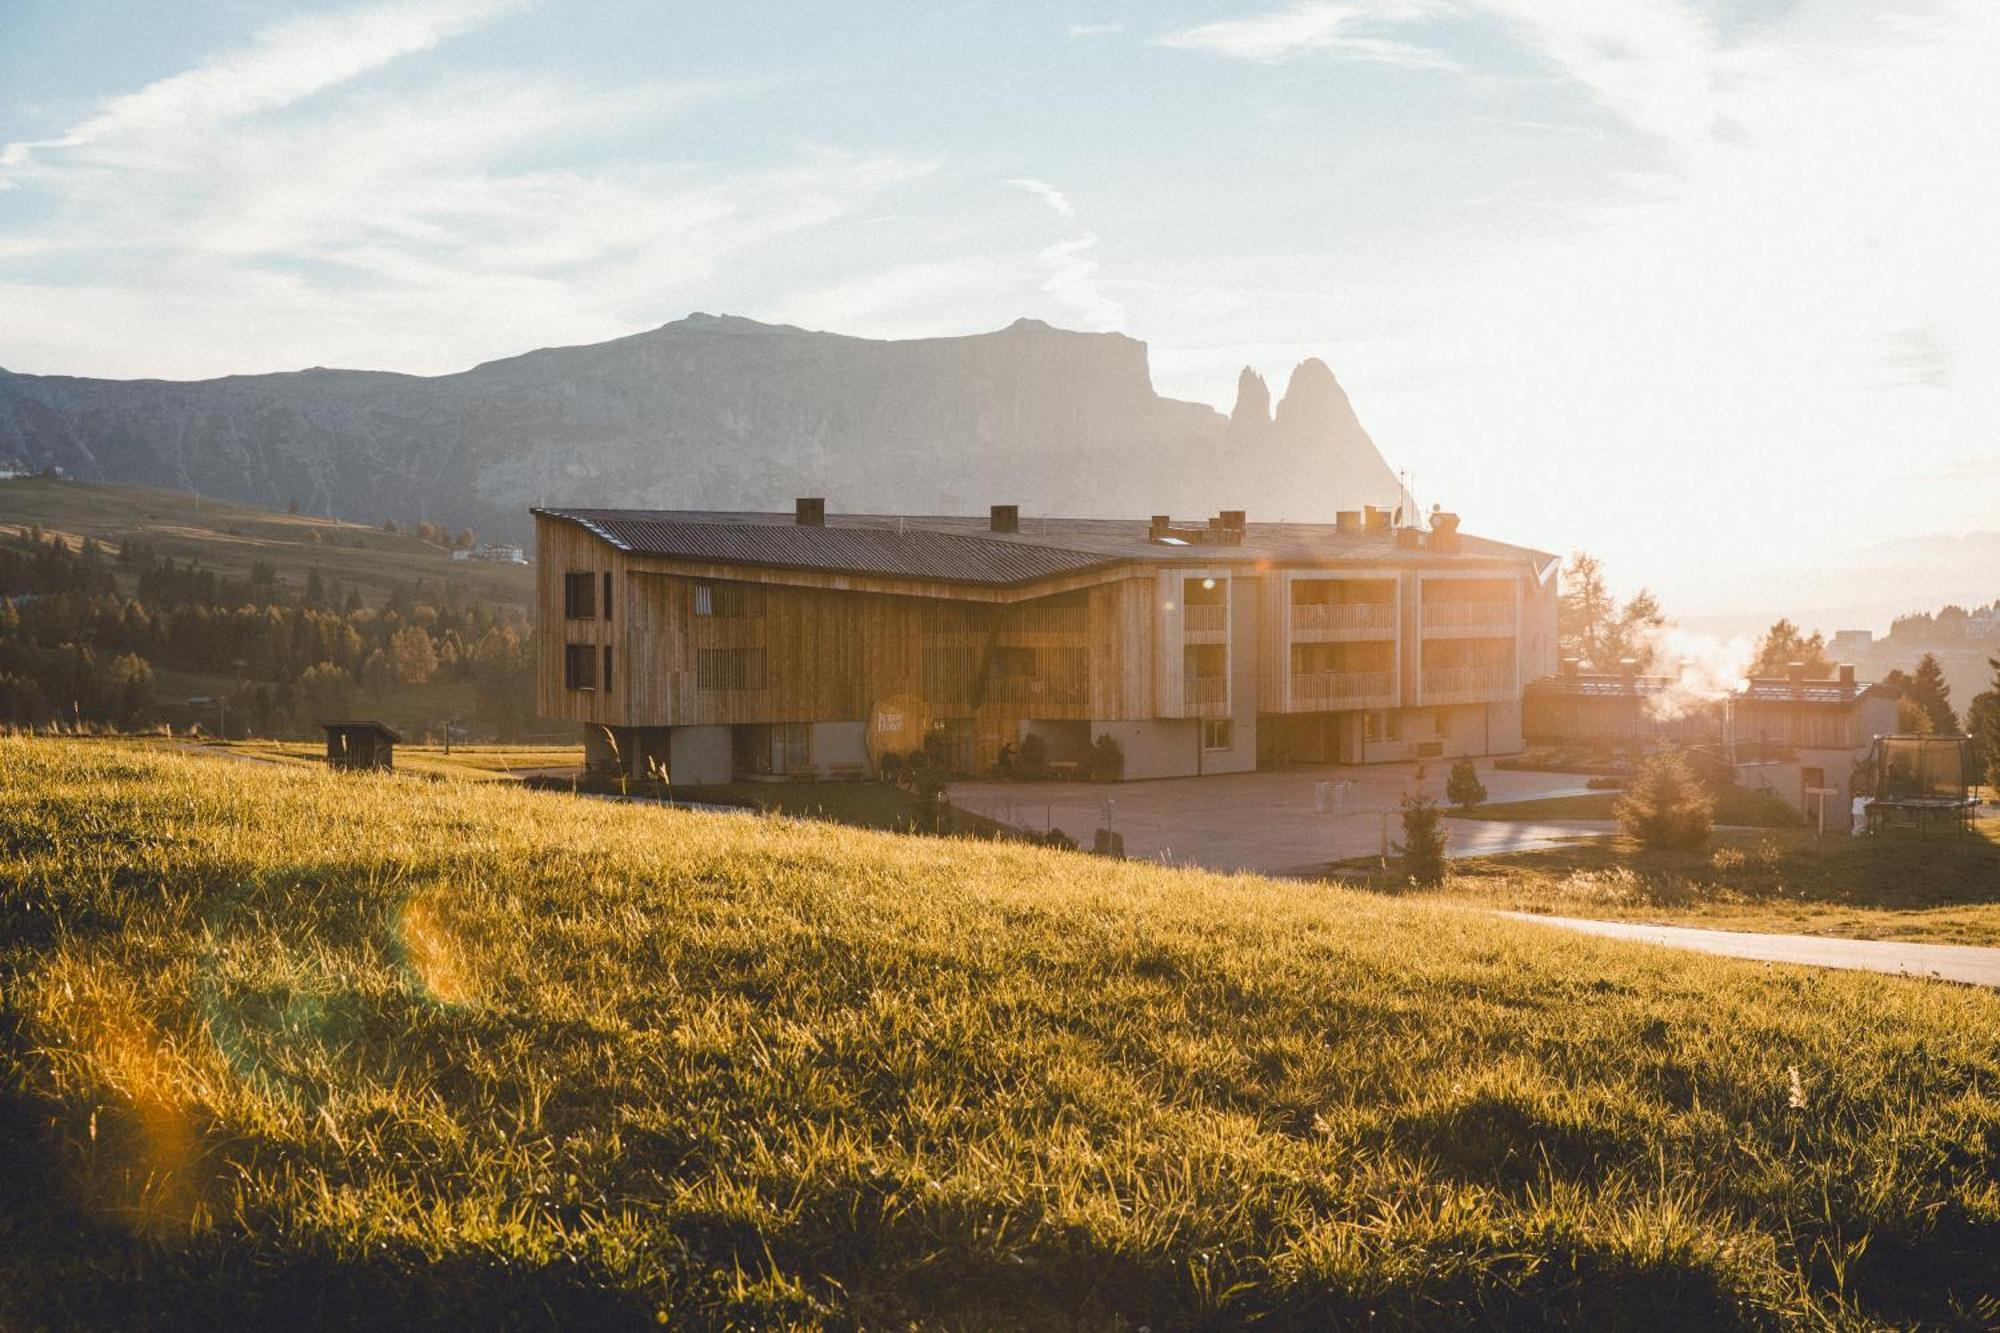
[1702, 668]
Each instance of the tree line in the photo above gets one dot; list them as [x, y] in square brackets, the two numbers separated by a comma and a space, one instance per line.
[76, 647]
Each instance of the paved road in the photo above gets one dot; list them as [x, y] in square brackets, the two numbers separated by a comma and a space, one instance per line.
[1946, 962]
[1269, 821]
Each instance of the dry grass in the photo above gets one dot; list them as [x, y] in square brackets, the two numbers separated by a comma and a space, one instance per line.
[1940, 889]
[288, 1047]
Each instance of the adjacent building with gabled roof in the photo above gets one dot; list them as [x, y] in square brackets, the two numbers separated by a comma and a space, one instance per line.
[707, 645]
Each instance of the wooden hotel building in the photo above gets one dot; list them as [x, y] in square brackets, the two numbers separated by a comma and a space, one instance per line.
[710, 646]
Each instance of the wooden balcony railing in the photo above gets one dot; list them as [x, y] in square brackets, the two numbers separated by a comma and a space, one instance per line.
[1035, 690]
[1205, 690]
[1335, 686]
[1467, 680]
[1497, 617]
[1317, 616]
[1206, 618]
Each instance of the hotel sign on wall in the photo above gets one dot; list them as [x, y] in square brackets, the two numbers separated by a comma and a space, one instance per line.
[897, 725]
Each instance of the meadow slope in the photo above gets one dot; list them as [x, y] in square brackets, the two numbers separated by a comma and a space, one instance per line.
[286, 1047]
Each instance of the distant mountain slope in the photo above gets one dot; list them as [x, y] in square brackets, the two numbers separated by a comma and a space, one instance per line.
[232, 538]
[718, 412]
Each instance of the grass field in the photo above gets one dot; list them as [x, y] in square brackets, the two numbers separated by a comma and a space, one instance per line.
[1895, 885]
[479, 763]
[230, 538]
[1733, 805]
[286, 1047]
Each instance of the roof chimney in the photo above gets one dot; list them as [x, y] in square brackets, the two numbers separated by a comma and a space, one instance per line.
[1628, 667]
[1407, 539]
[1347, 522]
[1846, 673]
[1569, 666]
[1376, 520]
[811, 512]
[1235, 520]
[1795, 671]
[1005, 518]
[1444, 531]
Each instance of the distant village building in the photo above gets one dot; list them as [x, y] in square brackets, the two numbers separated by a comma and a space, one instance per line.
[360, 745]
[714, 645]
[1790, 734]
[500, 555]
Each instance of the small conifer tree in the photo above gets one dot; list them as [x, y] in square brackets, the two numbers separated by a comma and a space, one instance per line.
[1422, 848]
[1666, 807]
[1463, 788]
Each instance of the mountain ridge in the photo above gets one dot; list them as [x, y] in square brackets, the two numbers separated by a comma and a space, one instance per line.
[717, 412]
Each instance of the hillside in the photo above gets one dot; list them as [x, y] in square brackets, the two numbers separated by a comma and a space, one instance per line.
[719, 413]
[289, 1048]
[233, 538]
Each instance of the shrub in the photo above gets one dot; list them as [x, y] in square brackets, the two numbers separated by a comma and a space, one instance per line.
[1666, 807]
[1107, 760]
[1463, 788]
[1422, 848]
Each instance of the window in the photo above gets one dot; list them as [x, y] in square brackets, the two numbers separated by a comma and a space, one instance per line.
[1013, 662]
[728, 601]
[1372, 728]
[607, 664]
[1217, 733]
[607, 616]
[580, 596]
[1395, 721]
[579, 666]
[729, 669]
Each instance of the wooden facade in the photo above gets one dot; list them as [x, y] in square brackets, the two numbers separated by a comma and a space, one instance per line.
[660, 642]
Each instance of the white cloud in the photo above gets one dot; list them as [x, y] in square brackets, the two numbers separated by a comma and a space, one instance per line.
[1048, 194]
[1314, 27]
[285, 63]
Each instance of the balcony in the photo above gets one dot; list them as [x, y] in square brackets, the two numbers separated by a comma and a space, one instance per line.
[1460, 620]
[1358, 620]
[1035, 690]
[1322, 690]
[1467, 685]
[1205, 696]
[1205, 618]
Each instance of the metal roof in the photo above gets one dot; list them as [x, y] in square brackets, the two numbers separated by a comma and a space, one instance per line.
[966, 550]
[915, 552]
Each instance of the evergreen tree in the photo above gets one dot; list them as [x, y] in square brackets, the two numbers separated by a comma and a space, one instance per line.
[1424, 838]
[1666, 807]
[1463, 788]
[1932, 693]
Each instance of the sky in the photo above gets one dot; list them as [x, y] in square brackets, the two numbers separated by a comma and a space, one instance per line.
[1708, 289]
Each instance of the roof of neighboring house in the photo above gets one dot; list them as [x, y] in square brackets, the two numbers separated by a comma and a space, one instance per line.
[966, 550]
[1821, 692]
[379, 728]
[1764, 690]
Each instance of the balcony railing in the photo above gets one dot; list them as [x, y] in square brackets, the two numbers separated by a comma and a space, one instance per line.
[1467, 680]
[1336, 686]
[1316, 616]
[1497, 617]
[1034, 690]
[1199, 690]
[1207, 618]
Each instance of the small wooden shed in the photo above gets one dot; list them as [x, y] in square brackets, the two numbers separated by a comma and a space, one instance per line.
[360, 745]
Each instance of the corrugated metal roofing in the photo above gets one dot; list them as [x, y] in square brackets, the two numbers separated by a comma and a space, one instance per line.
[917, 553]
[965, 550]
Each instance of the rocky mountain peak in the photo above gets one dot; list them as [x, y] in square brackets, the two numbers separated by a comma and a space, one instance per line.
[1253, 402]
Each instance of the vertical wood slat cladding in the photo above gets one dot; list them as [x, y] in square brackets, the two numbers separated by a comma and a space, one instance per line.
[832, 654]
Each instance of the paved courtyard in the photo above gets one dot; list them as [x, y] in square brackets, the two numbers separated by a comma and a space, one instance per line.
[1269, 822]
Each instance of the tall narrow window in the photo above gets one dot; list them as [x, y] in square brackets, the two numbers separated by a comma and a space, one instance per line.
[580, 596]
[607, 664]
[579, 666]
[607, 609]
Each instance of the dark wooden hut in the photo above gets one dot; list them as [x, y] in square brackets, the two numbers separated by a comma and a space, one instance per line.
[360, 745]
